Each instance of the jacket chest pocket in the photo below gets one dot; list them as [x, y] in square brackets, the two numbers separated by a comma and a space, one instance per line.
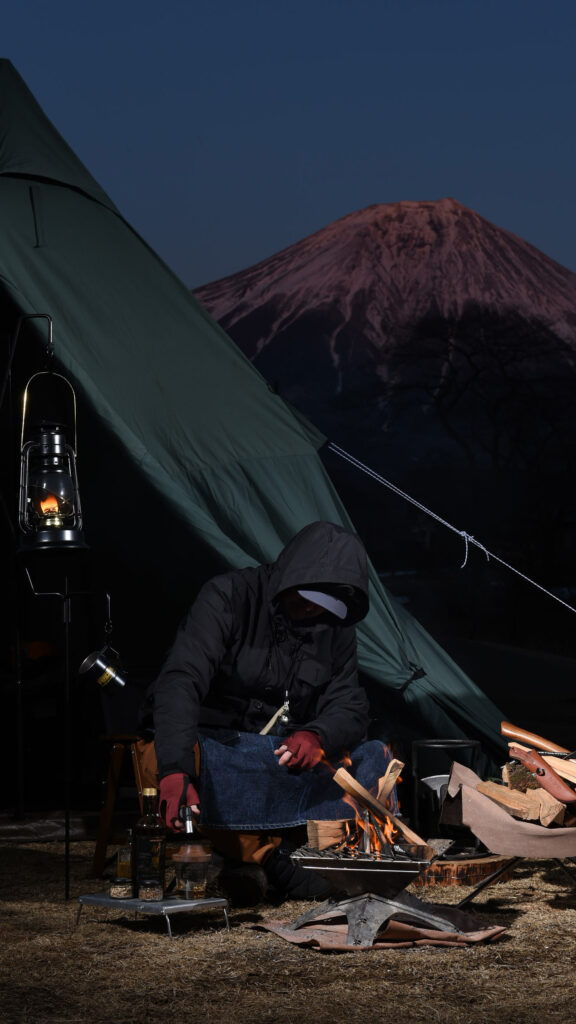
[311, 675]
[311, 679]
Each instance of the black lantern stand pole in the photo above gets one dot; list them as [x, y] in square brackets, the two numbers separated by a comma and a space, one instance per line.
[49, 515]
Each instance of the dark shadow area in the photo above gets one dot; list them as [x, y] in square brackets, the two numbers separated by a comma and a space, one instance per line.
[140, 552]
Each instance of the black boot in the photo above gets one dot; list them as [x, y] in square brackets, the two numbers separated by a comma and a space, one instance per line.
[244, 885]
[292, 882]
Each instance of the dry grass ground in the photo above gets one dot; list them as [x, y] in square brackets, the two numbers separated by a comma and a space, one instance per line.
[111, 969]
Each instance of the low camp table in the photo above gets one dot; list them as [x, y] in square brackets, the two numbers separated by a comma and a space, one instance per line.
[165, 908]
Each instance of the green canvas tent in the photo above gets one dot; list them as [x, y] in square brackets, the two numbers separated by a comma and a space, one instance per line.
[237, 468]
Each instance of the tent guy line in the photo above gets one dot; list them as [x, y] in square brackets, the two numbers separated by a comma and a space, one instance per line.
[467, 537]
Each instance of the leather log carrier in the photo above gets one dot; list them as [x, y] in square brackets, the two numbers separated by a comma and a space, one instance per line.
[496, 828]
[494, 825]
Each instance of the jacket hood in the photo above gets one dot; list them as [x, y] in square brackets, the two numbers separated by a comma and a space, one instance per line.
[327, 557]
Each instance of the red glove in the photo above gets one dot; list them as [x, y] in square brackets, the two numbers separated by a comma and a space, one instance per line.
[176, 791]
[306, 750]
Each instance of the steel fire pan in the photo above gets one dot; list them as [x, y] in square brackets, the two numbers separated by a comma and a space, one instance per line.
[364, 873]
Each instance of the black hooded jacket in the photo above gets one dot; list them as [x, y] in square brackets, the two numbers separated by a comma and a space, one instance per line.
[237, 658]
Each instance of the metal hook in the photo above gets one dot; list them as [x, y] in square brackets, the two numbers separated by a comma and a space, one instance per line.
[108, 624]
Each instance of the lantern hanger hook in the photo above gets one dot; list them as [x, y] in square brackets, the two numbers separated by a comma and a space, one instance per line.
[108, 624]
[48, 348]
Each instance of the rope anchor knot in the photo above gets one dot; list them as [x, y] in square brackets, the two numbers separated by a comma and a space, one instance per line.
[469, 539]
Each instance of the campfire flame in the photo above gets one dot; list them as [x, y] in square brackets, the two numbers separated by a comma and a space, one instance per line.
[365, 830]
[344, 762]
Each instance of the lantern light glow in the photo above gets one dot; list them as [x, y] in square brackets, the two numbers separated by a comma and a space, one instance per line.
[50, 515]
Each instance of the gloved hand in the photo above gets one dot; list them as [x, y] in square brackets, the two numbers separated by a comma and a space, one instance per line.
[305, 748]
[176, 791]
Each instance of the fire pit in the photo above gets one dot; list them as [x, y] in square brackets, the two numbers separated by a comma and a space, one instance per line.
[370, 864]
[369, 869]
[369, 889]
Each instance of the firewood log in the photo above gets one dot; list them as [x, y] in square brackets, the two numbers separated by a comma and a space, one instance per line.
[519, 805]
[365, 798]
[533, 805]
[322, 834]
[552, 811]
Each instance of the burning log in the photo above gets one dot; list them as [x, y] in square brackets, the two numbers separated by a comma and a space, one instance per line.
[388, 781]
[365, 799]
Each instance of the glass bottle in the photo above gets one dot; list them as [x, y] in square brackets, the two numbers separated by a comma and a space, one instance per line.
[191, 861]
[124, 858]
[149, 847]
[122, 885]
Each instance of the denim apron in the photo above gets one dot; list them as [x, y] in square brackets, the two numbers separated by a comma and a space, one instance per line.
[243, 787]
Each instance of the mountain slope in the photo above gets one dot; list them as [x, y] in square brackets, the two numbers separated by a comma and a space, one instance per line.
[401, 260]
[434, 345]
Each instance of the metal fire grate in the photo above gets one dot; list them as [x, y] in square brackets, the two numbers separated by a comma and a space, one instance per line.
[384, 873]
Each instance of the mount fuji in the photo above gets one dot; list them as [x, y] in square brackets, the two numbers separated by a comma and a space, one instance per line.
[434, 345]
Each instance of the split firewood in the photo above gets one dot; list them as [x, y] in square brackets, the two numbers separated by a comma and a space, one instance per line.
[519, 805]
[388, 781]
[517, 776]
[552, 811]
[365, 798]
[533, 805]
[322, 834]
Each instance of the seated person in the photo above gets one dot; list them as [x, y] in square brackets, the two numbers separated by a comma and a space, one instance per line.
[263, 677]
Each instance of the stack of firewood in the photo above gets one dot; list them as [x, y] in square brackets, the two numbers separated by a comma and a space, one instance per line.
[537, 783]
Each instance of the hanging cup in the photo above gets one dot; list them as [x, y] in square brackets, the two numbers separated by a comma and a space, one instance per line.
[102, 667]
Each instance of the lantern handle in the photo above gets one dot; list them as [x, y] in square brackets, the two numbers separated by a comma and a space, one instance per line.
[48, 373]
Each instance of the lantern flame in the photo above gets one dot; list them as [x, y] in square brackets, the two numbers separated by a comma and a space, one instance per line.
[49, 505]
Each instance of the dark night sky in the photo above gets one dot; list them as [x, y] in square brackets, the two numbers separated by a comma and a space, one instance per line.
[225, 131]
